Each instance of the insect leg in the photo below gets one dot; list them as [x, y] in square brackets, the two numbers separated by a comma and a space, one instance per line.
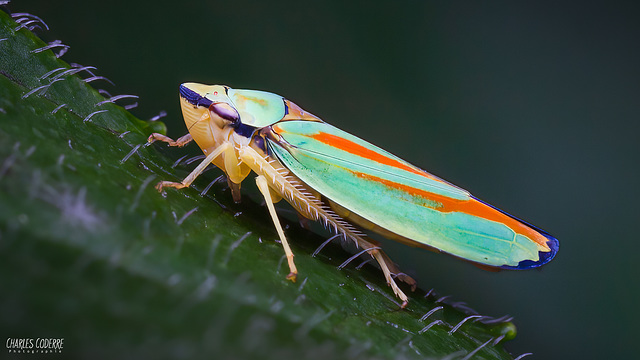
[398, 275]
[385, 263]
[387, 275]
[261, 181]
[318, 212]
[182, 141]
[234, 173]
[235, 191]
[196, 172]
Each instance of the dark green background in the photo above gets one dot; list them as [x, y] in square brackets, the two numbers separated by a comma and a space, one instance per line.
[532, 107]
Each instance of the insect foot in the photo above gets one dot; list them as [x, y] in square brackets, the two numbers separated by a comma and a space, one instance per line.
[293, 276]
[163, 184]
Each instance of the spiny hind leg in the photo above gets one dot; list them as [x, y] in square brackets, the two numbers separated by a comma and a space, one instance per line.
[261, 181]
[182, 141]
[397, 274]
[388, 269]
[387, 275]
[196, 172]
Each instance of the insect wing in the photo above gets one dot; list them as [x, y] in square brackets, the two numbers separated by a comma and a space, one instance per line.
[258, 108]
[406, 200]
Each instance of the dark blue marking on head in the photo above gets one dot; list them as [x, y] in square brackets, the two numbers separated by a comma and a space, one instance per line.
[544, 257]
[193, 97]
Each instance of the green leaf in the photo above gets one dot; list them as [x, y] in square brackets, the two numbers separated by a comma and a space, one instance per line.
[92, 253]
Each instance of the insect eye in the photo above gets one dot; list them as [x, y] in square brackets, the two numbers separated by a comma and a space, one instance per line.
[225, 111]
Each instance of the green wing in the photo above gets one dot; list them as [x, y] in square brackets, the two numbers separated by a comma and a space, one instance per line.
[406, 200]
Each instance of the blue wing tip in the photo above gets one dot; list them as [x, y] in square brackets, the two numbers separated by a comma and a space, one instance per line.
[545, 257]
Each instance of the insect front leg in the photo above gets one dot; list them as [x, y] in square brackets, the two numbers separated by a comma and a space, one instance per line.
[261, 181]
[182, 141]
[197, 171]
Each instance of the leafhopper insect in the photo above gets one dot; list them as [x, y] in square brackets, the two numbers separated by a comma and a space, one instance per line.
[350, 185]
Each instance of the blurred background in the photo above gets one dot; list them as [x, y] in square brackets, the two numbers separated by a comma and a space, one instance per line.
[534, 108]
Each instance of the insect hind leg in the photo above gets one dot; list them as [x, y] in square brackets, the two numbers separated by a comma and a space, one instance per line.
[387, 266]
[387, 275]
[261, 181]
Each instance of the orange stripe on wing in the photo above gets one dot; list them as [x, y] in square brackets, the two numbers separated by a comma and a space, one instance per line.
[472, 207]
[361, 151]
